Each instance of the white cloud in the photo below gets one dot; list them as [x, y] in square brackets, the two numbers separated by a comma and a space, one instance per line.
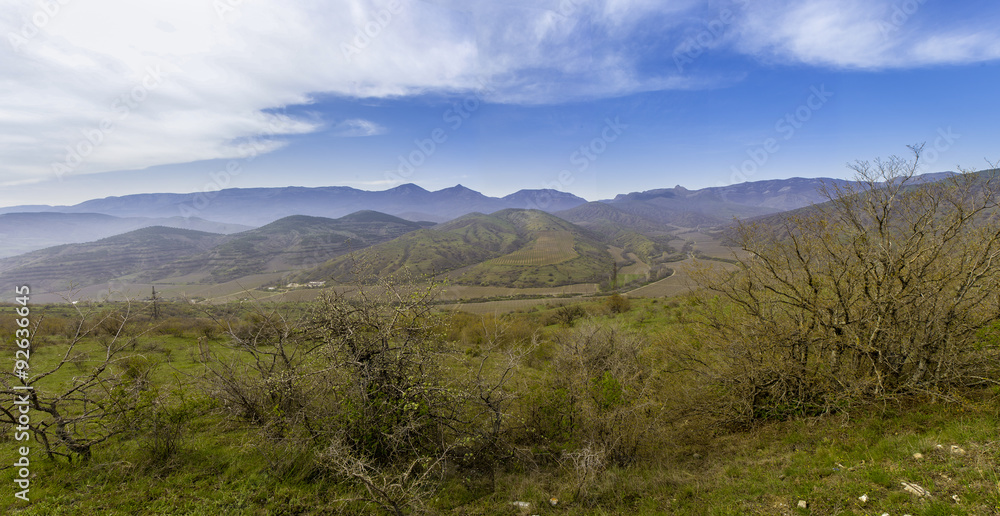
[823, 32]
[183, 81]
[962, 47]
[357, 128]
[861, 34]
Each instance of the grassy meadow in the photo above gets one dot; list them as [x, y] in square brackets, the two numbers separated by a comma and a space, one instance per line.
[187, 453]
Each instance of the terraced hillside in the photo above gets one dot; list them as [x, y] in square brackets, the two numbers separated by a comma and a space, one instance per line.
[25, 232]
[178, 256]
[643, 244]
[104, 260]
[549, 248]
[296, 242]
[516, 248]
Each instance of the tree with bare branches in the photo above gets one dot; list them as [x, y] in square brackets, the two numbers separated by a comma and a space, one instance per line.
[365, 387]
[882, 290]
[107, 399]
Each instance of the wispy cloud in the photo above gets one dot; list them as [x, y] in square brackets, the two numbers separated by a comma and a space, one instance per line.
[958, 48]
[862, 34]
[80, 82]
[72, 99]
[357, 128]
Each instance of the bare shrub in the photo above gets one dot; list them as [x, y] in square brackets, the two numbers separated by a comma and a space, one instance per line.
[365, 388]
[599, 394]
[587, 464]
[878, 292]
[70, 418]
[567, 315]
[618, 304]
[398, 490]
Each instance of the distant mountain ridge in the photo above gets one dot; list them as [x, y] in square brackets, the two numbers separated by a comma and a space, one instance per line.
[259, 206]
[715, 205]
[255, 207]
[679, 206]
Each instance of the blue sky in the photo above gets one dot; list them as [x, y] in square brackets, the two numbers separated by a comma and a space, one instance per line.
[594, 97]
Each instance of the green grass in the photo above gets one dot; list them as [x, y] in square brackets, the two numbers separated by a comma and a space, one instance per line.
[828, 462]
[693, 469]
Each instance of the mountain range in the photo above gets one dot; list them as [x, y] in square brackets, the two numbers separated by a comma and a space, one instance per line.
[259, 206]
[532, 238]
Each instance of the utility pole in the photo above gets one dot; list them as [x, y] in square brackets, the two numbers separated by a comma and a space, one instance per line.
[156, 307]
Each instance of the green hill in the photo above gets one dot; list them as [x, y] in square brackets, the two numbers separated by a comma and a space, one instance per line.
[512, 247]
[106, 259]
[290, 243]
[161, 254]
[647, 239]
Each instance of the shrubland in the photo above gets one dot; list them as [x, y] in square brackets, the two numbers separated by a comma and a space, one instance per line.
[851, 349]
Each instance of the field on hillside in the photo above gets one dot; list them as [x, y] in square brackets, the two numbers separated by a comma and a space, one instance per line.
[635, 264]
[507, 306]
[117, 291]
[550, 248]
[459, 292]
[708, 244]
[680, 282]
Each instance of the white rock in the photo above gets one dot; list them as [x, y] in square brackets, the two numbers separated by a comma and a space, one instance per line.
[863, 498]
[803, 504]
[914, 489]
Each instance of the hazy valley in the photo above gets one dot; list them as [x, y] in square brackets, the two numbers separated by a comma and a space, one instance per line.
[535, 239]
